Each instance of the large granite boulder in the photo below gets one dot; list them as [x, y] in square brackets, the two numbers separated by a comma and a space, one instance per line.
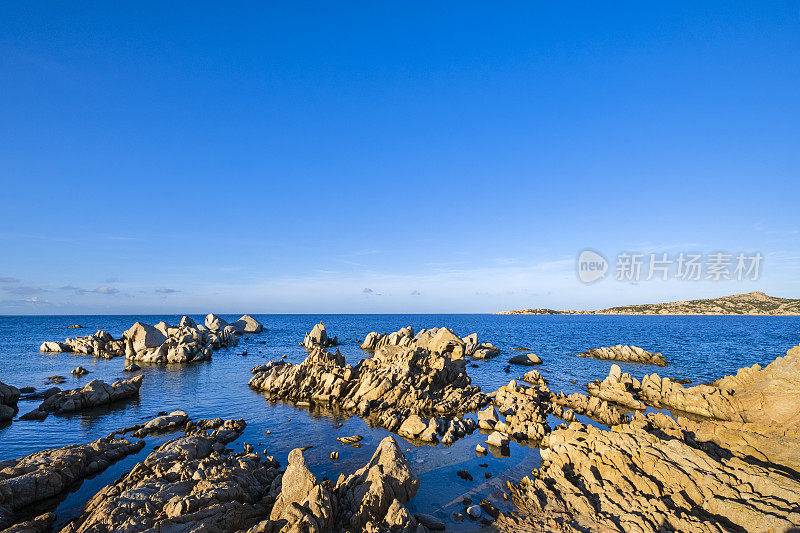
[248, 324]
[145, 336]
[215, 323]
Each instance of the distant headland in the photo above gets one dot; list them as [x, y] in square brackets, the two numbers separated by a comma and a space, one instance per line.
[751, 303]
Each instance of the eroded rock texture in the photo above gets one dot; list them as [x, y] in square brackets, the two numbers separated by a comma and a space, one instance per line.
[185, 343]
[100, 344]
[373, 498]
[395, 387]
[734, 468]
[318, 338]
[162, 343]
[48, 473]
[93, 394]
[441, 340]
[630, 354]
[633, 479]
[190, 483]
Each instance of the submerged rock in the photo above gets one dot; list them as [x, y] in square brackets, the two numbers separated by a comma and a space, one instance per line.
[528, 359]
[631, 354]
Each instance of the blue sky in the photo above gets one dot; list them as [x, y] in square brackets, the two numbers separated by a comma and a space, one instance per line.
[366, 157]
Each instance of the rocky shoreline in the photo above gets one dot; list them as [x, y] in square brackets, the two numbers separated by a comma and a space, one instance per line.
[722, 457]
[736, 468]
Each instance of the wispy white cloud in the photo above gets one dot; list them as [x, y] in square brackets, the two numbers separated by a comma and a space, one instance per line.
[166, 290]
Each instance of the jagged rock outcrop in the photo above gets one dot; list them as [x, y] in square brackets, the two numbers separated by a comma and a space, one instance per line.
[318, 338]
[389, 387]
[184, 343]
[93, 394]
[100, 344]
[534, 378]
[190, 483]
[635, 479]
[630, 354]
[48, 473]
[766, 396]
[525, 410]
[371, 499]
[734, 468]
[162, 343]
[9, 395]
[442, 340]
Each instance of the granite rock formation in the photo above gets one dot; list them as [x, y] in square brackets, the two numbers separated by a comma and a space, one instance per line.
[318, 338]
[629, 354]
[391, 387]
[190, 483]
[441, 340]
[93, 394]
[48, 473]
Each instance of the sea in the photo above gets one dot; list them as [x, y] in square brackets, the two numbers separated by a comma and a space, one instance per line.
[699, 348]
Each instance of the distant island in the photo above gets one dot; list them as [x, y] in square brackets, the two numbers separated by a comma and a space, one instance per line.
[751, 303]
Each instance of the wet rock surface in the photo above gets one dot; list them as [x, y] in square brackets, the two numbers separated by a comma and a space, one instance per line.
[396, 387]
[630, 354]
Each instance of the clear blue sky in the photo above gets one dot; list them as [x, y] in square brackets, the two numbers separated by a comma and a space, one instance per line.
[370, 157]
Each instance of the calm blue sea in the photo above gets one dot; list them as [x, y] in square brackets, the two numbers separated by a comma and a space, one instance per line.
[699, 348]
